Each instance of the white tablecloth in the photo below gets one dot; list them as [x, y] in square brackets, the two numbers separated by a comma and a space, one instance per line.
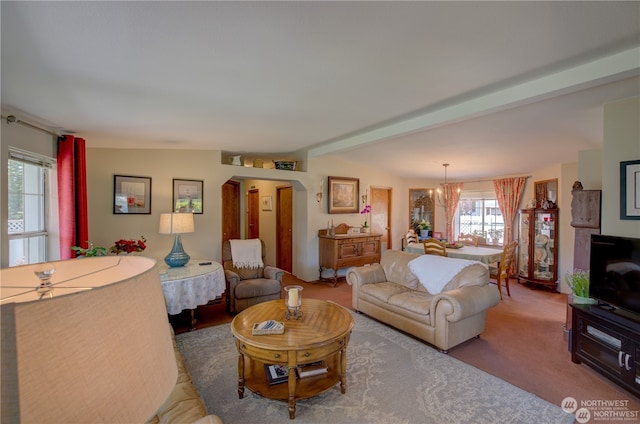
[485, 255]
[191, 285]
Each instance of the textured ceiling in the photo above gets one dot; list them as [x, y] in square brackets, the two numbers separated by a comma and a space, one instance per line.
[494, 88]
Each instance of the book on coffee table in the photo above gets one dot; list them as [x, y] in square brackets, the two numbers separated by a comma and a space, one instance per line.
[267, 327]
[313, 368]
[276, 374]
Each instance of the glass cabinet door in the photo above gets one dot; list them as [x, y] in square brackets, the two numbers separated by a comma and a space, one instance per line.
[523, 262]
[544, 245]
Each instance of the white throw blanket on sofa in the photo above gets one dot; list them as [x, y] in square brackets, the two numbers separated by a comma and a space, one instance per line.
[246, 253]
[435, 272]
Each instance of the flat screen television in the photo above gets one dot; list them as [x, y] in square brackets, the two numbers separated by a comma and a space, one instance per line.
[614, 275]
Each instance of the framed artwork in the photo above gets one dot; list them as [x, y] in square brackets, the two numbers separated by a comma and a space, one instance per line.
[343, 195]
[437, 235]
[630, 189]
[131, 195]
[421, 206]
[187, 195]
[267, 203]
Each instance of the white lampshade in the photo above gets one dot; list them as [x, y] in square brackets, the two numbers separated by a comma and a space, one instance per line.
[176, 223]
[99, 350]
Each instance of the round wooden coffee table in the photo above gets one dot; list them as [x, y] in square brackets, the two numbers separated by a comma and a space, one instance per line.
[322, 333]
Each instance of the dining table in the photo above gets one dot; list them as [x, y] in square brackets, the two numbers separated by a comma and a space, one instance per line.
[486, 255]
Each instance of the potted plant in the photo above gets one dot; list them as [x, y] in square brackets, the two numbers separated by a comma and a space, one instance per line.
[578, 281]
[89, 251]
[365, 211]
[424, 227]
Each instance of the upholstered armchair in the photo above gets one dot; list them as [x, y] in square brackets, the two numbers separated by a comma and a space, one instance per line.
[249, 286]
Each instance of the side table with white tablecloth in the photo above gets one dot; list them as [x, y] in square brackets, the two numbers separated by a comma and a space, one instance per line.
[189, 286]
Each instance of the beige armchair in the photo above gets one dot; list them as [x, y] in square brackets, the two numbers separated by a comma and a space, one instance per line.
[247, 287]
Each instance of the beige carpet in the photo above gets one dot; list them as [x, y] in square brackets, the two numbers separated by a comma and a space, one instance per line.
[392, 378]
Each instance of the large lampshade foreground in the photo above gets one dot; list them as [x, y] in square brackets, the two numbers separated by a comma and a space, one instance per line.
[102, 354]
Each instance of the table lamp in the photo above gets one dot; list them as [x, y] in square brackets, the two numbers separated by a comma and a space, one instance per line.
[96, 347]
[176, 223]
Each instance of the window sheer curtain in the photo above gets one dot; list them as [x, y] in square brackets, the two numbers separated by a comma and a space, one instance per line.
[451, 198]
[509, 192]
[72, 194]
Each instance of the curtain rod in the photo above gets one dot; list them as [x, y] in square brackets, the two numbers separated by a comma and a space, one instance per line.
[486, 180]
[11, 119]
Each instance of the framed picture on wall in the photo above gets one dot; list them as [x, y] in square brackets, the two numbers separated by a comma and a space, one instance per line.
[343, 195]
[267, 203]
[630, 189]
[131, 195]
[187, 195]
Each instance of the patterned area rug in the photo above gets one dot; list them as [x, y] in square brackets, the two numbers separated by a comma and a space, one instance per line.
[392, 379]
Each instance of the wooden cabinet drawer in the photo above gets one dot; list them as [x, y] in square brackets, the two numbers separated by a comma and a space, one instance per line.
[265, 355]
[316, 354]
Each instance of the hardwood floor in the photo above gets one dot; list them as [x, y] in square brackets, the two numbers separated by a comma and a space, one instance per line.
[524, 342]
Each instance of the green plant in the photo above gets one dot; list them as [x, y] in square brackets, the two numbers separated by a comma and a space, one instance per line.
[90, 251]
[578, 281]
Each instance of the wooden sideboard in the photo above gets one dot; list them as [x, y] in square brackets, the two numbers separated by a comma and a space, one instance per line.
[346, 250]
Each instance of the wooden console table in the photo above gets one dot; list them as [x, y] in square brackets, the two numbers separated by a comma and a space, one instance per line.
[343, 250]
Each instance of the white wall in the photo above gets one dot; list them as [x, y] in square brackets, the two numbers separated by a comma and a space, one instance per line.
[621, 143]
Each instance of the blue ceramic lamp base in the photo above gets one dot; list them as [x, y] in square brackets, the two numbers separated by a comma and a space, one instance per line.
[177, 257]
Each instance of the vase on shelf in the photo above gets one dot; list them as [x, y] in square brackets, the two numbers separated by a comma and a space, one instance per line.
[365, 229]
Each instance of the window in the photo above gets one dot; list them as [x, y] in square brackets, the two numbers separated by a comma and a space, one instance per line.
[27, 208]
[479, 214]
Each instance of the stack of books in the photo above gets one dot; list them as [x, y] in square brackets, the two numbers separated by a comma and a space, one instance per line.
[267, 327]
[276, 374]
[313, 368]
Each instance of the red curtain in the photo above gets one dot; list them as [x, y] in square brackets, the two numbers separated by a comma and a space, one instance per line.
[509, 192]
[451, 196]
[72, 194]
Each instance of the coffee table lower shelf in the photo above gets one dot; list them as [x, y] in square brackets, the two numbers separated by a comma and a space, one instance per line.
[306, 387]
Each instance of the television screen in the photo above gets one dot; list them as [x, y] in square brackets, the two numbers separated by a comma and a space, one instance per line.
[614, 275]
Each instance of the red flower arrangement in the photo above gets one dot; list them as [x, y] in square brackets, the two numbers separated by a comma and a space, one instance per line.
[129, 246]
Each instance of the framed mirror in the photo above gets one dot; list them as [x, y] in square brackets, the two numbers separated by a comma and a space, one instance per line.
[421, 206]
[546, 190]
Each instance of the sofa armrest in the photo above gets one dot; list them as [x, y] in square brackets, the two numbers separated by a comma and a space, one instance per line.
[358, 276]
[273, 273]
[465, 302]
[232, 278]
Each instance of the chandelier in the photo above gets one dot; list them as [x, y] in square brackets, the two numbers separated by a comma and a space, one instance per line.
[441, 195]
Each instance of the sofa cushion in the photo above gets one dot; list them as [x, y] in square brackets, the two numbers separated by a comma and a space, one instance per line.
[396, 269]
[383, 291]
[255, 288]
[414, 301]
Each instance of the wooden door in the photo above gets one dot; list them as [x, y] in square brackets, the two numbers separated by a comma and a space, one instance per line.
[230, 210]
[381, 213]
[284, 228]
[253, 214]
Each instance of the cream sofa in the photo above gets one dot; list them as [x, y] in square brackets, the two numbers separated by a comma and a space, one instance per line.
[184, 404]
[392, 293]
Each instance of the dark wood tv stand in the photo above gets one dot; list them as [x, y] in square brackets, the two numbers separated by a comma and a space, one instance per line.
[607, 342]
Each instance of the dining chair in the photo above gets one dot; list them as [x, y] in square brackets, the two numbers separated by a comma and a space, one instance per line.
[468, 239]
[500, 271]
[435, 247]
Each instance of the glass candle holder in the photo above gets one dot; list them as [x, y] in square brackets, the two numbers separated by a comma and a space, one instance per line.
[44, 271]
[293, 301]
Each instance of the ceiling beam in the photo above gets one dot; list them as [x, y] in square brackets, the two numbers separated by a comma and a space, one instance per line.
[601, 71]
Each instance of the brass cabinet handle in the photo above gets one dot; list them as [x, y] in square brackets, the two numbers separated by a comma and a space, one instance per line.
[307, 354]
[277, 355]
